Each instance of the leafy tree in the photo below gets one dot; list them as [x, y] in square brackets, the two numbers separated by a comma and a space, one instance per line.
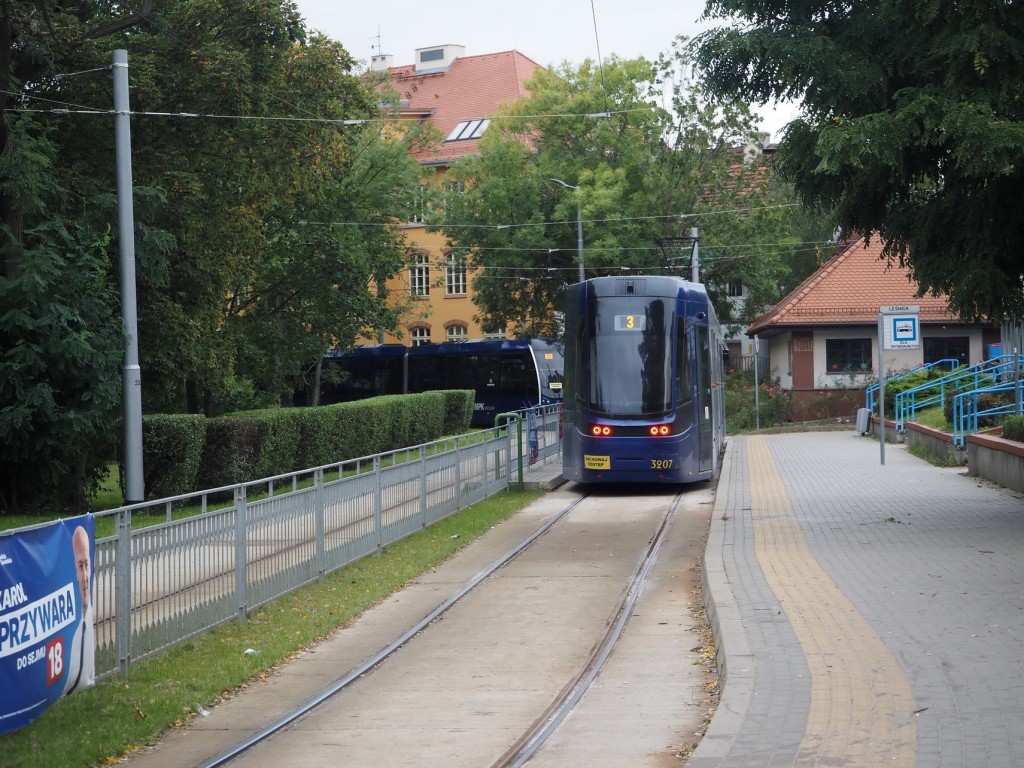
[258, 279]
[911, 127]
[646, 175]
[264, 208]
[60, 333]
[61, 338]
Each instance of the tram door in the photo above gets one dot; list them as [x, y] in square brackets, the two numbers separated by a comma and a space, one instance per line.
[705, 410]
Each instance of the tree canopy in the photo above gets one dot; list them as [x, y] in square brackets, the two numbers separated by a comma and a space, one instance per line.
[911, 127]
[645, 175]
[267, 188]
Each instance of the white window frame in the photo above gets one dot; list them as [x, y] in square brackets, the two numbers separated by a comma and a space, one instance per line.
[457, 332]
[455, 275]
[419, 275]
[419, 336]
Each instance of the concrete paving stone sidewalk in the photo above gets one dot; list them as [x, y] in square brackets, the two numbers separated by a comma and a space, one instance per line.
[865, 614]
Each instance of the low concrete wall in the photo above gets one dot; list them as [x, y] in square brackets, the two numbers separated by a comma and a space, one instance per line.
[935, 441]
[993, 458]
[892, 435]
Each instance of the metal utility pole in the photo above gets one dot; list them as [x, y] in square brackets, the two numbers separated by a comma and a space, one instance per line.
[579, 225]
[694, 257]
[131, 374]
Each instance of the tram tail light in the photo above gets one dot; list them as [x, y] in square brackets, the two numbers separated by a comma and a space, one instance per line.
[601, 430]
[661, 430]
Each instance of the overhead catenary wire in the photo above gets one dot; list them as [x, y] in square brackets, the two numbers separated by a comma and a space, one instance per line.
[70, 108]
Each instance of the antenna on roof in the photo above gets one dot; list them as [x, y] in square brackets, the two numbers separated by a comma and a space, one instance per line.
[378, 46]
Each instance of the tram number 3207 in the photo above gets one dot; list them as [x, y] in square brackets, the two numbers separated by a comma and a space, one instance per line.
[661, 463]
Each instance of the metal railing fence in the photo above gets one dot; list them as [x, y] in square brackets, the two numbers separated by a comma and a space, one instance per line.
[871, 392]
[935, 392]
[216, 555]
[969, 409]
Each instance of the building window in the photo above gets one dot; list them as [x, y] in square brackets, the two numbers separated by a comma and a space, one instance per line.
[847, 355]
[419, 336]
[419, 205]
[455, 275]
[419, 275]
[469, 129]
[947, 348]
[734, 289]
[458, 333]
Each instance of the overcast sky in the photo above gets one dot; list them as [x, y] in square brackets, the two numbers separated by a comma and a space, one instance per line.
[548, 31]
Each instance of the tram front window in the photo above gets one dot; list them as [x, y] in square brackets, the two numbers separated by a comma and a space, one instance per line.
[631, 357]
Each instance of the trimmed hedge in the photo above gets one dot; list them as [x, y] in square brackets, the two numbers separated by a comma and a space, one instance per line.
[172, 451]
[232, 451]
[184, 453]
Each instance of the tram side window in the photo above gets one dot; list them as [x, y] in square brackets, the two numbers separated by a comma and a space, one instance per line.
[513, 375]
[683, 370]
[574, 381]
[426, 374]
[461, 372]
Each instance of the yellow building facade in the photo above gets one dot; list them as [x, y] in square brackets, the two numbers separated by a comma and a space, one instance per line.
[456, 94]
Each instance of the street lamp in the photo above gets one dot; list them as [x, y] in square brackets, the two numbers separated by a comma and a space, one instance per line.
[579, 224]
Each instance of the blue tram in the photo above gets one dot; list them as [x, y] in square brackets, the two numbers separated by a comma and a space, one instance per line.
[507, 374]
[643, 396]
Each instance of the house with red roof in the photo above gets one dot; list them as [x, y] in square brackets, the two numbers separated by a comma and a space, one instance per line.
[824, 335]
[456, 94]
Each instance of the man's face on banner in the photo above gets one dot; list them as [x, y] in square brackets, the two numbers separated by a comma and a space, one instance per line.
[83, 566]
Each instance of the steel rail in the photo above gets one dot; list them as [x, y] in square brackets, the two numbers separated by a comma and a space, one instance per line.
[525, 748]
[339, 685]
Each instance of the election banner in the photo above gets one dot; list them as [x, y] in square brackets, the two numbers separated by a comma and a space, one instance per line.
[47, 643]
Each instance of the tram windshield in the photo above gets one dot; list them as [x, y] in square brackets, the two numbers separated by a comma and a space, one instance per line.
[631, 356]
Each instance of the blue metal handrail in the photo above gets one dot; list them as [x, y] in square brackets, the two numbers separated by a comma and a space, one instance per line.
[934, 392]
[967, 410]
[871, 392]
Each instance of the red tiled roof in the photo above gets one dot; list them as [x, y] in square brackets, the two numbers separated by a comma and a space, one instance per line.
[471, 88]
[848, 290]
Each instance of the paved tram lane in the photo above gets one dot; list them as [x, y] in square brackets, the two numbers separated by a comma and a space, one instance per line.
[866, 614]
[465, 688]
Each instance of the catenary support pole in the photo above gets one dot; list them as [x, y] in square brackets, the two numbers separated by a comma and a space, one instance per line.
[131, 379]
[695, 258]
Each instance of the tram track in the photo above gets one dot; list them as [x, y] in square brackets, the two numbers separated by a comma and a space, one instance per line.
[490, 674]
[307, 706]
[535, 738]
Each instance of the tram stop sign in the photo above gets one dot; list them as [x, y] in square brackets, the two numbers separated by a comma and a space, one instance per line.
[900, 327]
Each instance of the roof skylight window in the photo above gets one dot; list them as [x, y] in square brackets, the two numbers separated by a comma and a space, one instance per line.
[469, 129]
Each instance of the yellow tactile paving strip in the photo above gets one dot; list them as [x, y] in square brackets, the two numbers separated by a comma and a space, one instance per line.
[861, 710]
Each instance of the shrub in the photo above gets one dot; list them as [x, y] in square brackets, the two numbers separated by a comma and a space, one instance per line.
[189, 453]
[172, 449]
[458, 410]
[232, 452]
[742, 414]
[1013, 428]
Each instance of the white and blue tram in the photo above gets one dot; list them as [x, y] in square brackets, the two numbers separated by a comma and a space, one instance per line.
[644, 399]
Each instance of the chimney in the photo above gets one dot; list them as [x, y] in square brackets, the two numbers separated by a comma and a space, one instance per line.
[381, 62]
